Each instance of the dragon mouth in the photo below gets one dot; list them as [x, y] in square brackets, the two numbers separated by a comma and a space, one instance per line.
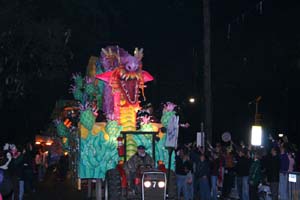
[130, 89]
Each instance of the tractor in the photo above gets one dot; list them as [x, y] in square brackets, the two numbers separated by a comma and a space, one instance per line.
[149, 183]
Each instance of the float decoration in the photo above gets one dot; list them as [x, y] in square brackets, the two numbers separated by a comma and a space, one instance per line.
[76, 89]
[99, 152]
[126, 79]
[87, 116]
[61, 128]
[90, 87]
[114, 84]
[63, 132]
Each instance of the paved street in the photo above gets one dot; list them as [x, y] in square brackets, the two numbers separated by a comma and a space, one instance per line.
[53, 189]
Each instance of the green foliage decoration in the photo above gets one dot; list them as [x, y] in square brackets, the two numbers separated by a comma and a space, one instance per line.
[87, 118]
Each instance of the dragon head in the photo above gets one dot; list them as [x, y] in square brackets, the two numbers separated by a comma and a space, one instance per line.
[126, 75]
[131, 63]
[131, 75]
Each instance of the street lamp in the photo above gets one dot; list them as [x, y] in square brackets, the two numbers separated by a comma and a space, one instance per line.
[256, 131]
[256, 135]
[192, 100]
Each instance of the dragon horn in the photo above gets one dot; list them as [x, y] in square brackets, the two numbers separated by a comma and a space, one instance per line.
[138, 53]
[118, 55]
[110, 52]
[141, 51]
[104, 51]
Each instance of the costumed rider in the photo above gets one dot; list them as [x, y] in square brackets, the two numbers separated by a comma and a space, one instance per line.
[140, 158]
[6, 186]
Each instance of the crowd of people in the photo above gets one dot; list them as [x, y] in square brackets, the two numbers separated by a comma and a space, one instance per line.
[21, 169]
[212, 172]
[205, 173]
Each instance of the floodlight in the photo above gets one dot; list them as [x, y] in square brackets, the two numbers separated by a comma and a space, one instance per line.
[256, 135]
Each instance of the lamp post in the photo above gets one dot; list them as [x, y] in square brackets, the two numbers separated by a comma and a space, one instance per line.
[257, 117]
[207, 70]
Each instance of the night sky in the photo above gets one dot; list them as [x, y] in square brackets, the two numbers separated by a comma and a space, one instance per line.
[255, 52]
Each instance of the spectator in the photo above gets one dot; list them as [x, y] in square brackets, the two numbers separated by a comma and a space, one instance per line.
[183, 167]
[38, 162]
[195, 156]
[255, 176]
[15, 170]
[242, 172]
[41, 163]
[63, 167]
[273, 172]
[284, 167]
[28, 162]
[189, 177]
[228, 173]
[203, 173]
[291, 162]
[6, 187]
[219, 150]
[297, 161]
[19, 168]
[217, 164]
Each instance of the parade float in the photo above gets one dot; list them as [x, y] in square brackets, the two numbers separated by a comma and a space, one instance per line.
[114, 84]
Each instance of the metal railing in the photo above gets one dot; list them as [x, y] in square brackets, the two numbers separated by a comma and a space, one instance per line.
[289, 186]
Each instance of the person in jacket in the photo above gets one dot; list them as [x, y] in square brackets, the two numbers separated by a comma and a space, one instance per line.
[141, 158]
[28, 168]
[216, 171]
[242, 173]
[202, 174]
[291, 162]
[228, 173]
[6, 187]
[255, 176]
[284, 167]
[273, 172]
[182, 169]
[16, 172]
[63, 166]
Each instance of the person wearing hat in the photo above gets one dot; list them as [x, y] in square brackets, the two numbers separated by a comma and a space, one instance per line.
[140, 158]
